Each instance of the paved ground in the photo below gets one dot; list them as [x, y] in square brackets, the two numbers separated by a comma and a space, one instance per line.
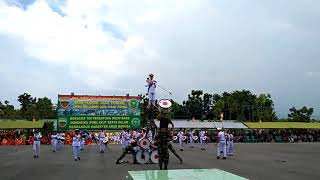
[253, 161]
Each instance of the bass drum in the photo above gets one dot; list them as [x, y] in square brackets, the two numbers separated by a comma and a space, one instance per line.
[195, 138]
[155, 157]
[142, 157]
[154, 144]
[144, 143]
[175, 138]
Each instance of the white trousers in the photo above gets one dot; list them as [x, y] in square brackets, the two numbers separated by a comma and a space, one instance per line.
[76, 151]
[222, 147]
[36, 148]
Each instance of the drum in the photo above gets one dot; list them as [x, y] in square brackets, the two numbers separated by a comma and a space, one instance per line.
[184, 138]
[154, 144]
[175, 138]
[144, 143]
[204, 138]
[155, 157]
[142, 157]
[195, 138]
[105, 141]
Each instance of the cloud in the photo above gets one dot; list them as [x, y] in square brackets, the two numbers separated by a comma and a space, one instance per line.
[268, 46]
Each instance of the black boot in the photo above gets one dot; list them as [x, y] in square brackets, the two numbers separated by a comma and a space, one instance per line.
[165, 167]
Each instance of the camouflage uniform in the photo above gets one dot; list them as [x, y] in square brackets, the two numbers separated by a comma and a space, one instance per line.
[164, 136]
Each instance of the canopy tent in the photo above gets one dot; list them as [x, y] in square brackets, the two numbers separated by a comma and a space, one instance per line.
[230, 125]
[21, 124]
[189, 124]
[208, 125]
[282, 125]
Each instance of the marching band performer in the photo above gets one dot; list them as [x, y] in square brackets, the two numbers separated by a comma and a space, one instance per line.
[180, 136]
[132, 147]
[191, 133]
[231, 144]
[76, 140]
[221, 144]
[202, 136]
[63, 137]
[54, 141]
[123, 139]
[101, 138]
[58, 141]
[151, 90]
[227, 141]
[36, 144]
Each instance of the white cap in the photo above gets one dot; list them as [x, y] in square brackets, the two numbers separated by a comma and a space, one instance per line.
[219, 129]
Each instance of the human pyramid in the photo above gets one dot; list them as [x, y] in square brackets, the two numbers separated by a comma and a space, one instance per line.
[147, 145]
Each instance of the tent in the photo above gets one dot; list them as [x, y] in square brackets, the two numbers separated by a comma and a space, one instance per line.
[230, 125]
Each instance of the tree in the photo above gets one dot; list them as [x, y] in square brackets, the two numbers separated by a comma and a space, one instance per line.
[207, 104]
[300, 115]
[26, 100]
[194, 104]
[44, 108]
[7, 111]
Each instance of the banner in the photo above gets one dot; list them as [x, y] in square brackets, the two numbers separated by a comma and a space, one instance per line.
[98, 112]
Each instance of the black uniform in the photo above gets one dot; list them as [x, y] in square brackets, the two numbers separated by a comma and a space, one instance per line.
[129, 148]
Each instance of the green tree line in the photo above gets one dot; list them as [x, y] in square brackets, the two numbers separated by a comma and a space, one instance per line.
[237, 105]
[30, 108]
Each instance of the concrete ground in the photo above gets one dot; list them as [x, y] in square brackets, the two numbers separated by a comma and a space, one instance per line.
[253, 161]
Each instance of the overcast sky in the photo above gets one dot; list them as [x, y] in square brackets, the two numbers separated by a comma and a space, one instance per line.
[107, 47]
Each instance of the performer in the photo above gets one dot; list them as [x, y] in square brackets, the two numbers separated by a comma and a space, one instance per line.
[231, 144]
[58, 141]
[180, 136]
[164, 135]
[76, 140]
[227, 141]
[101, 138]
[151, 90]
[84, 135]
[202, 137]
[63, 137]
[132, 147]
[36, 144]
[191, 133]
[221, 144]
[54, 141]
[123, 138]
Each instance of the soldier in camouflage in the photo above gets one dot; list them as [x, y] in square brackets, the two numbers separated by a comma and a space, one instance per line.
[164, 135]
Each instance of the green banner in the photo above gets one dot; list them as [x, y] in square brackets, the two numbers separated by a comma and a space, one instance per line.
[98, 112]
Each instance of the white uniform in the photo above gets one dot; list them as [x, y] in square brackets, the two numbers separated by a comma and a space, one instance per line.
[149, 135]
[123, 139]
[191, 138]
[59, 141]
[221, 144]
[101, 145]
[202, 138]
[76, 141]
[54, 142]
[231, 145]
[227, 142]
[152, 91]
[63, 137]
[36, 144]
[180, 136]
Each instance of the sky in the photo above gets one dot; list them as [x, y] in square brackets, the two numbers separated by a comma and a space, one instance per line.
[108, 47]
